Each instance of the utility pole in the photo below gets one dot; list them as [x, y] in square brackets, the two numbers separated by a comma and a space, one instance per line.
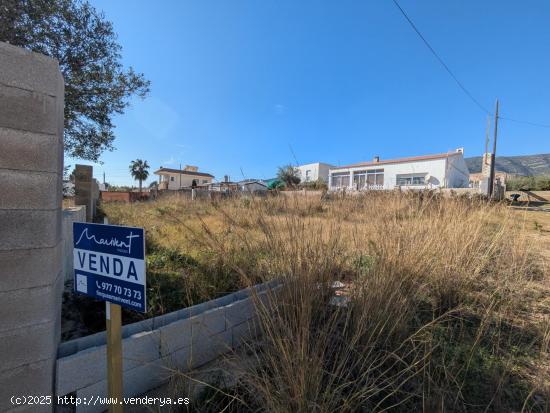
[103, 178]
[493, 155]
[180, 175]
[487, 131]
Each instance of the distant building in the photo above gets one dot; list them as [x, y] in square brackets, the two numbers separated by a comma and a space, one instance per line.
[225, 186]
[312, 172]
[476, 180]
[188, 177]
[480, 180]
[68, 188]
[252, 185]
[447, 170]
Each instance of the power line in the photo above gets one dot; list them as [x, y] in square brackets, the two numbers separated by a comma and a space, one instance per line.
[540, 125]
[458, 82]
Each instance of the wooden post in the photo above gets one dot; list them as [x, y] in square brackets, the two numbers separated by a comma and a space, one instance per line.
[114, 356]
[114, 353]
[487, 141]
[493, 155]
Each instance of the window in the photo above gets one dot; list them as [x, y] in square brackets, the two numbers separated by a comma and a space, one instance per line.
[205, 181]
[411, 179]
[340, 180]
[359, 179]
[308, 175]
[171, 179]
[375, 177]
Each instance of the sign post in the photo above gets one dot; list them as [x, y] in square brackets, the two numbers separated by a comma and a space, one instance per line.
[114, 355]
[113, 324]
[109, 264]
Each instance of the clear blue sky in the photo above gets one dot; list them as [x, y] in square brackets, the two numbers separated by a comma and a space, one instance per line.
[234, 83]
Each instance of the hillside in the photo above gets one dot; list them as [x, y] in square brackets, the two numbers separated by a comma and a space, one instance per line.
[529, 165]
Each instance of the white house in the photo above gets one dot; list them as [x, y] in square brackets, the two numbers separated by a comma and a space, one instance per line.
[174, 179]
[446, 170]
[312, 172]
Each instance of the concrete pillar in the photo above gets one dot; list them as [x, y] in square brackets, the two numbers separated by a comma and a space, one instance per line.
[485, 172]
[84, 189]
[31, 169]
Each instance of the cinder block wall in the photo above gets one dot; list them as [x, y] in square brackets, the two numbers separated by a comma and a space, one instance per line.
[156, 348]
[31, 278]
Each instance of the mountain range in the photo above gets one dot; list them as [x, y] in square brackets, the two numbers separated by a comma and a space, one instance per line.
[528, 165]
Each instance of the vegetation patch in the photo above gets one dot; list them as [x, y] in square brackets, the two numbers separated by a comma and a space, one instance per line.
[445, 307]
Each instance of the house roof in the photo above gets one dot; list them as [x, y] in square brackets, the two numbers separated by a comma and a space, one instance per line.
[181, 171]
[401, 160]
[249, 182]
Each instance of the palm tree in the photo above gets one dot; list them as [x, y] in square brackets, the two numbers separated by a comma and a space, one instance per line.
[139, 171]
[289, 175]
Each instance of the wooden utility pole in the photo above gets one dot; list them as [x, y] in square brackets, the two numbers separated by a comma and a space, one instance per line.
[487, 141]
[493, 155]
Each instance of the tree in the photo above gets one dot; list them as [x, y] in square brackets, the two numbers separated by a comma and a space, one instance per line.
[139, 171]
[289, 175]
[97, 86]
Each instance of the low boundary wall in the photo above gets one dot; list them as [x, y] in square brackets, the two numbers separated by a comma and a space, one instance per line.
[120, 196]
[154, 349]
[70, 215]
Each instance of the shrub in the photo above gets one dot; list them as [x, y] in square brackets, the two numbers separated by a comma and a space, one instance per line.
[528, 183]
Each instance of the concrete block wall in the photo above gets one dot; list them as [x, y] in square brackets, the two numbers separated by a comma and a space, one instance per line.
[84, 188]
[70, 215]
[154, 349]
[31, 277]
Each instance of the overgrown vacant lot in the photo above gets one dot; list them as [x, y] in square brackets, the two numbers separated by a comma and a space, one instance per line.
[448, 299]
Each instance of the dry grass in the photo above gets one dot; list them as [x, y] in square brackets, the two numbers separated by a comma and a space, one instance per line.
[448, 299]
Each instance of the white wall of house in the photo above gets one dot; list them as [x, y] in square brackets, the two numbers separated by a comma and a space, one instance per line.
[458, 173]
[173, 180]
[312, 172]
[445, 172]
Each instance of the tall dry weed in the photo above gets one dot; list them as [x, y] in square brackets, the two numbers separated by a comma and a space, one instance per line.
[432, 316]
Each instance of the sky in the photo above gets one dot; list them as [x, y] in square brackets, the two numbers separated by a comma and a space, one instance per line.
[240, 88]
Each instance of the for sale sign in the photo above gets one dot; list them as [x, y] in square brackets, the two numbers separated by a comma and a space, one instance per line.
[109, 263]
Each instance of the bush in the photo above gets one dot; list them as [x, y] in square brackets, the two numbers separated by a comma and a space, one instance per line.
[528, 183]
[318, 185]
